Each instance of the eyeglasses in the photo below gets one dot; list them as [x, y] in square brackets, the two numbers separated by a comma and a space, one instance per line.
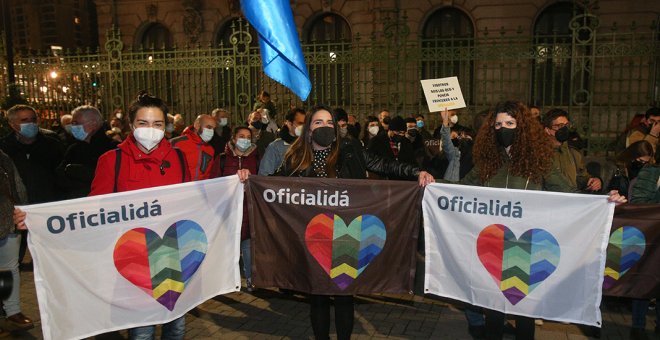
[560, 125]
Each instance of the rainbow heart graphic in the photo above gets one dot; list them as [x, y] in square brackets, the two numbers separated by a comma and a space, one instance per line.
[518, 266]
[161, 267]
[626, 247]
[344, 251]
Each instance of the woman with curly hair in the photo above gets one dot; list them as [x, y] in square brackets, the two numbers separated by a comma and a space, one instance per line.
[512, 151]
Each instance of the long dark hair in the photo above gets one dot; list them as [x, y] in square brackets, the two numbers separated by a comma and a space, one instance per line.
[144, 99]
[300, 155]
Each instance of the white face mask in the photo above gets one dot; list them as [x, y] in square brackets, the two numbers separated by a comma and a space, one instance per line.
[453, 119]
[223, 121]
[119, 115]
[298, 130]
[206, 134]
[148, 137]
[373, 130]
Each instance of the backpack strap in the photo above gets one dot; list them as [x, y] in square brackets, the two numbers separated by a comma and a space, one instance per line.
[117, 167]
[183, 164]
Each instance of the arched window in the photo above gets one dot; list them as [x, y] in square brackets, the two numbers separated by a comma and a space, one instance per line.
[447, 38]
[328, 44]
[156, 36]
[551, 77]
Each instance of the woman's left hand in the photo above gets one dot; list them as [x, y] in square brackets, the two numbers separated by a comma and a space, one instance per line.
[425, 178]
[616, 198]
[243, 175]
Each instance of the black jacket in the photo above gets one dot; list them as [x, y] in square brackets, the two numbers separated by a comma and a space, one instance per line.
[354, 161]
[76, 171]
[36, 164]
[380, 146]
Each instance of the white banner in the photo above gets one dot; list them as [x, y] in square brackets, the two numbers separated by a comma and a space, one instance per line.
[530, 253]
[135, 258]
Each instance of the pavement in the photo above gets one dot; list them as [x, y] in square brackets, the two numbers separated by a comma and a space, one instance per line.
[270, 314]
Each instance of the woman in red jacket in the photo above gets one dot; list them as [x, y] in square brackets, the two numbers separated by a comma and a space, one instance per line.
[240, 155]
[144, 160]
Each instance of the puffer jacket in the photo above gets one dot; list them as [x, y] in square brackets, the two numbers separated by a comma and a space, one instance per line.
[645, 188]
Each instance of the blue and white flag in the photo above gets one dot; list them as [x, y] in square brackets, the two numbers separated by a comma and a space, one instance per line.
[281, 52]
[134, 258]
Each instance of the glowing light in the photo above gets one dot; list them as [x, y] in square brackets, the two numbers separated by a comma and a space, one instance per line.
[53, 74]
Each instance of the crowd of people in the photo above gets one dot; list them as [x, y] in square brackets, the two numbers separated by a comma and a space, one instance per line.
[507, 146]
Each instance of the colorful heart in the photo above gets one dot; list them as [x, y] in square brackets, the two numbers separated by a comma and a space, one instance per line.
[344, 251]
[518, 266]
[626, 247]
[163, 267]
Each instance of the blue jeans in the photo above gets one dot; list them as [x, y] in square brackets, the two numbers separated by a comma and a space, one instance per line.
[173, 330]
[247, 258]
[639, 310]
[9, 261]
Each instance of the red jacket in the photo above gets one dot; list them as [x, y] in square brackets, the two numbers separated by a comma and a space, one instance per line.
[199, 154]
[138, 170]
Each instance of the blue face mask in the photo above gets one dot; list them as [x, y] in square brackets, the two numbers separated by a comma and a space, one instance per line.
[29, 130]
[243, 144]
[420, 124]
[78, 132]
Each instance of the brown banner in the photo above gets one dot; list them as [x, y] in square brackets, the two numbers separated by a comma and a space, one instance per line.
[633, 254]
[333, 236]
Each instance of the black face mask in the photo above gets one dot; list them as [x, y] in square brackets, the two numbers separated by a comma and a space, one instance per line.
[505, 137]
[396, 139]
[285, 135]
[412, 133]
[258, 125]
[562, 134]
[323, 136]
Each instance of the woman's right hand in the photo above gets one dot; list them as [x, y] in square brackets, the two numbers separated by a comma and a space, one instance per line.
[243, 175]
[445, 117]
[19, 219]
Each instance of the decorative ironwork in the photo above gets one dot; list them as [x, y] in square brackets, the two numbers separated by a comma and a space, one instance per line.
[614, 72]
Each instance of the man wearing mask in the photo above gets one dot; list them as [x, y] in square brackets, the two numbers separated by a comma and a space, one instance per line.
[649, 129]
[420, 123]
[453, 124]
[263, 102]
[260, 136]
[417, 141]
[64, 134]
[222, 130]
[354, 127]
[569, 160]
[76, 171]
[393, 145]
[36, 157]
[194, 142]
[288, 134]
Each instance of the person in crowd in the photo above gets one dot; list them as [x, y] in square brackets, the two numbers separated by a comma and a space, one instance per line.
[453, 124]
[416, 140]
[76, 171]
[645, 190]
[116, 131]
[169, 127]
[420, 122]
[393, 145]
[511, 151]
[649, 130]
[222, 130]
[35, 155]
[64, 133]
[450, 149]
[341, 116]
[557, 126]
[371, 129]
[382, 115]
[264, 102]
[145, 160]
[260, 136]
[194, 143]
[240, 154]
[179, 124]
[629, 163]
[321, 152]
[275, 151]
[535, 111]
[353, 126]
[622, 139]
[12, 193]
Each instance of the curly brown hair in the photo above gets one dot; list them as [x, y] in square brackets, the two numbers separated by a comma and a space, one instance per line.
[530, 153]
